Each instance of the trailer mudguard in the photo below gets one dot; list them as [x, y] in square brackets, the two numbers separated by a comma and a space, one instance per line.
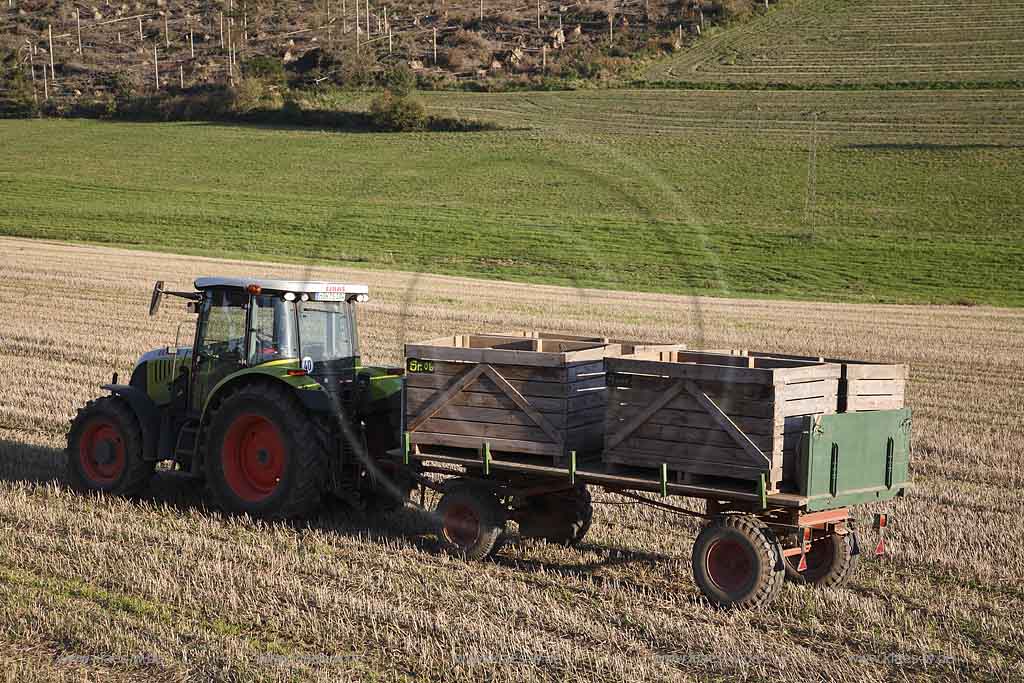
[147, 413]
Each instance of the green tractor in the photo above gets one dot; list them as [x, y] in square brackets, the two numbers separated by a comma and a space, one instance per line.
[270, 405]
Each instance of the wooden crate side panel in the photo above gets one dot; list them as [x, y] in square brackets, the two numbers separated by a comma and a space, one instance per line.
[856, 404]
[697, 373]
[685, 412]
[417, 398]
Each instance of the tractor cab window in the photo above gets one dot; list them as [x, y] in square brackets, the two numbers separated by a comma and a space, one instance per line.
[272, 334]
[327, 330]
[223, 334]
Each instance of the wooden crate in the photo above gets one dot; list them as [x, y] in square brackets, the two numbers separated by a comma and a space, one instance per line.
[522, 395]
[863, 385]
[714, 416]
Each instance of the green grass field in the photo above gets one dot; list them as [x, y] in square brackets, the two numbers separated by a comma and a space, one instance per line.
[859, 42]
[917, 195]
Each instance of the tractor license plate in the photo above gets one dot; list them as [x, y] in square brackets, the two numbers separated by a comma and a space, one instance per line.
[329, 296]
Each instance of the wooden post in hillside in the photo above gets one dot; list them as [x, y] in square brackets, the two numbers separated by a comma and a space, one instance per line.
[141, 38]
[344, 18]
[544, 57]
[49, 30]
[181, 76]
[538, 15]
[46, 87]
[435, 46]
[78, 26]
[611, 29]
[156, 67]
[481, 10]
[167, 32]
[191, 42]
[222, 30]
[357, 27]
[367, 18]
[389, 40]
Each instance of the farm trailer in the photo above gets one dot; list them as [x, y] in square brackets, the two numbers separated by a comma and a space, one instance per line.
[762, 439]
[272, 410]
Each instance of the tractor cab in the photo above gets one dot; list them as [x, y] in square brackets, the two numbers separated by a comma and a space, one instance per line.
[288, 328]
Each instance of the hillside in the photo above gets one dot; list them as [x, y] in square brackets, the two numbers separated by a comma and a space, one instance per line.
[861, 42]
[104, 48]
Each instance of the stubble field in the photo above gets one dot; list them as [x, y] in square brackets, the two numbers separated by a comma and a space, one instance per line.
[163, 589]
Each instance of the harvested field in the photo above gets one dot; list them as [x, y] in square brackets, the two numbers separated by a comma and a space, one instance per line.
[162, 589]
[838, 41]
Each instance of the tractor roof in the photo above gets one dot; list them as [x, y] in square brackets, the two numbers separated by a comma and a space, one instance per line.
[296, 286]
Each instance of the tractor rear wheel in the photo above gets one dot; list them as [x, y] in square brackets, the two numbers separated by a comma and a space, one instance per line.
[830, 562]
[563, 517]
[264, 456]
[105, 449]
[737, 562]
[471, 520]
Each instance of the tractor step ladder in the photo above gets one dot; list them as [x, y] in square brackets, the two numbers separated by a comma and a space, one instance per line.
[187, 442]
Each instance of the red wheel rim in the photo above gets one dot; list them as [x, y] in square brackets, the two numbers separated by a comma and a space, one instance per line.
[101, 451]
[253, 456]
[729, 565]
[461, 525]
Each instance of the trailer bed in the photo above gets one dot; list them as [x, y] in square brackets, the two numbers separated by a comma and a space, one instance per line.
[605, 475]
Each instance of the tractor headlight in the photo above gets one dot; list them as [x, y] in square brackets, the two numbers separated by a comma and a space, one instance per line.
[289, 296]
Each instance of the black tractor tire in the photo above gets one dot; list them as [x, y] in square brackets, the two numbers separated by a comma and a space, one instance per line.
[105, 449]
[563, 517]
[470, 520]
[737, 562]
[830, 562]
[264, 456]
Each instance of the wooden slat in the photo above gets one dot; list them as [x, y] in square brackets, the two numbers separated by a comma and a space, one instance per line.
[759, 409]
[815, 389]
[504, 445]
[418, 397]
[485, 430]
[515, 416]
[493, 356]
[720, 390]
[529, 389]
[523, 404]
[809, 406]
[726, 423]
[807, 372]
[523, 373]
[875, 387]
[861, 403]
[695, 416]
[701, 460]
[442, 398]
[696, 373]
[876, 371]
[630, 425]
[690, 435]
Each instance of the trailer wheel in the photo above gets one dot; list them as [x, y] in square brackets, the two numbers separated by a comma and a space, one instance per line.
[471, 520]
[737, 562]
[105, 449]
[830, 562]
[563, 517]
[264, 456]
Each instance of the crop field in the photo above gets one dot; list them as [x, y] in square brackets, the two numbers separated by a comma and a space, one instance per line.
[672, 191]
[856, 41]
[162, 589]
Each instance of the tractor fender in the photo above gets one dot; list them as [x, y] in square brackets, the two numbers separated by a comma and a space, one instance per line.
[146, 411]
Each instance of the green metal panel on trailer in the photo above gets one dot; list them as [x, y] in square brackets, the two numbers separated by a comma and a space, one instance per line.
[853, 458]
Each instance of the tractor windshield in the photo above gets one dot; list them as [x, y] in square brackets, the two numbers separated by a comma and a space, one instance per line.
[327, 330]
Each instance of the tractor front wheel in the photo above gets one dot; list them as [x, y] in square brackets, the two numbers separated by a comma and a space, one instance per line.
[105, 449]
[264, 456]
[737, 562]
[471, 520]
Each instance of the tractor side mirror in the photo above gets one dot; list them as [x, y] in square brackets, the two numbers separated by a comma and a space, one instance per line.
[154, 302]
[192, 306]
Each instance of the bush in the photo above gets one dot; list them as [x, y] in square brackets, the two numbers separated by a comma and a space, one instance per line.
[400, 79]
[392, 112]
[265, 68]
